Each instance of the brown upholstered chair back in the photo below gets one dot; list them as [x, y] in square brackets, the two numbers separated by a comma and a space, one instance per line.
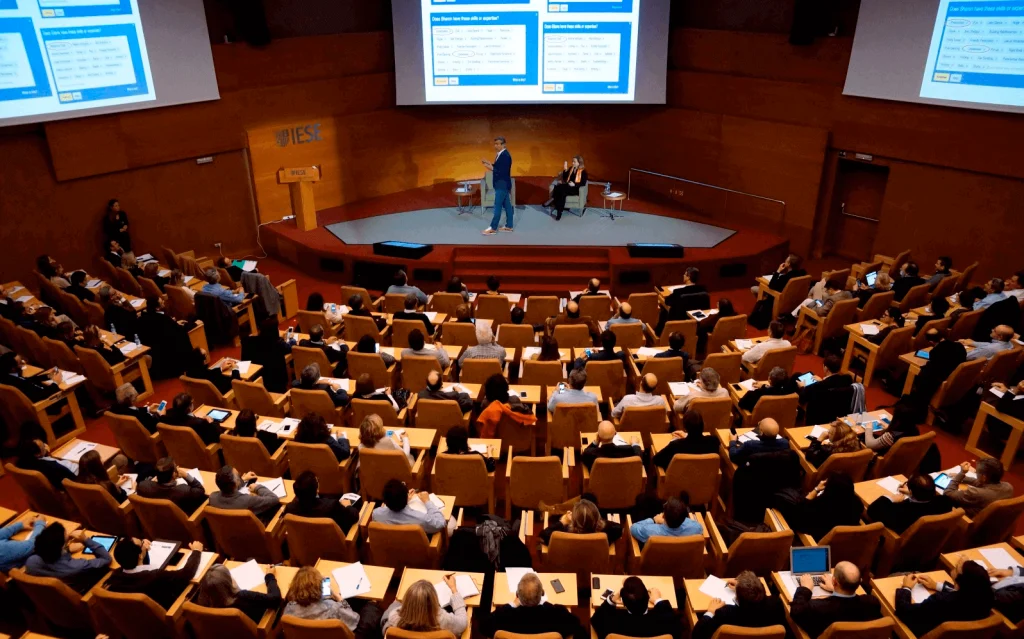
[98, 510]
[378, 467]
[313, 538]
[41, 495]
[856, 544]
[617, 482]
[762, 553]
[333, 477]
[217, 623]
[400, 546]
[698, 475]
[162, 519]
[464, 476]
[187, 449]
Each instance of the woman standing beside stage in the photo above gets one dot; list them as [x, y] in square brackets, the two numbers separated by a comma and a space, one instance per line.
[569, 182]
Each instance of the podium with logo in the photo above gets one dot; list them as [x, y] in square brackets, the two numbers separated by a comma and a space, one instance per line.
[300, 182]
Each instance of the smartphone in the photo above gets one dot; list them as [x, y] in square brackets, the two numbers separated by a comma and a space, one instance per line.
[607, 593]
[876, 427]
[325, 588]
[732, 429]
[291, 329]
[818, 303]
[106, 541]
[698, 315]
[376, 348]
[585, 440]
[595, 583]
[587, 351]
[162, 405]
[176, 558]
[561, 387]
[942, 481]
[557, 585]
[522, 394]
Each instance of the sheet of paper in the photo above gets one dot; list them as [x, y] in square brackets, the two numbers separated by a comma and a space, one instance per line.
[288, 424]
[647, 353]
[434, 499]
[463, 583]
[130, 487]
[514, 297]
[679, 389]
[248, 575]
[869, 329]
[818, 431]
[137, 303]
[716, 589]
[188, 278]
[79, 449]
[275, 486]
[93, 283]
[998, 558]
[164, 272]
[998, 393]
[145, 257]
[619, 441]
[243, 367]
[431, 315]
[128, 348]
[744, 344]
[530, 351]
[479, 448]
[768, 277]
[269, 426]
[352, 497]
[515, 575]
[196, 475]
[919, 593]
[24, 299]
[891, 484]
[747, 384]
[352, 580]
[249, 266]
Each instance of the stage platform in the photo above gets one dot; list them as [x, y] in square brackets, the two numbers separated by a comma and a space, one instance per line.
[534, 226]
[541, 257]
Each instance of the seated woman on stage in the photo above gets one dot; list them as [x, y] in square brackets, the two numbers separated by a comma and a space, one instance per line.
[569, 182]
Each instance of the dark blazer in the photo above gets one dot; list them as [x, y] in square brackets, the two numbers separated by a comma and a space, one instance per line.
[816, 615]
[593, 452]
[81, 293]
[681, 293]
[922, 320]
[573, 190]
[529, 620]
[767, 612]
[1010, 404]
[162, 586]
[327, 507]
[903, 285]
[255, 604]
[34, 390]
[125, 321]
[412, 315]
[213, 375]
[816, 517]
[942, 361]
[689, 445]
[502, 177]
[208, 431]
[739, 452]
[464, 400]
[146, 418]
[333, 355]
[339, 397]
[779, 280]
[1010, 602]
[188, 496]
[945, 605]
[601, 355]
[660, 620]
[270, 355]
[750, 400]
[54, 472]
[898, 516]
[168, 340]
[865, 295]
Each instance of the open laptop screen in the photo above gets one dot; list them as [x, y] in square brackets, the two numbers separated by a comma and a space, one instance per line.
[813, 559]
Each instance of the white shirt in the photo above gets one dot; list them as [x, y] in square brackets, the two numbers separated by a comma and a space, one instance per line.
[1018, 293]
[755, 354]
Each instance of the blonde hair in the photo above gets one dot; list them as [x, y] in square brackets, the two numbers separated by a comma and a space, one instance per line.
[371, 430]
[842, 438]
[151, 269]
[305, 588]
[420, 609]
[579, 159]
[585, 518]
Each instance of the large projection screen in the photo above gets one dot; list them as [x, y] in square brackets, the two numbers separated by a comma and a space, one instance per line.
[71, 58]
[530, 51]
[963, 53]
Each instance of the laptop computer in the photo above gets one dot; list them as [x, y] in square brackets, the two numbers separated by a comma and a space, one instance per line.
[810, 560]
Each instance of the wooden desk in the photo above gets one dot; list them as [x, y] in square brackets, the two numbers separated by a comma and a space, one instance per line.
[251, 374]
[777, 579]
[285, 574]
[30, 371]
[210, 485]
[644, 353]
[380, 577]
[915, 364]
[493, 445]
[951, 559]
[697, 602]
[531, 352]
[754, 341]
[29, 514]
[567, 598]
[885, 590]
[419, 438]
[6, 514]
[869, 490]
[985, 411]
[532, 393]
[106, 452]
[614, 583]
[412, 575]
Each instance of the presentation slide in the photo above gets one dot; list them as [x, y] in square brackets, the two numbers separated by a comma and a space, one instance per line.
[964, 53]
[494, 51]
[64, 58]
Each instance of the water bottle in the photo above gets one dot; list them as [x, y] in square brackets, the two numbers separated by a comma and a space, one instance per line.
[137, 341]
[112, 329]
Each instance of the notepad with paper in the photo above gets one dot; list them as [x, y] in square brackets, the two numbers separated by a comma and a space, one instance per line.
[248, 575]
[716, 589]
[891, 484]
[998, 558]
[747, 384]
[159, 554]
[744, 344]
[137, 303]
[515, 575]
[275, 486]
[81, 448]
[818, 431]
[679, 389]
[352, 580]
[869, 329]
[463, 583]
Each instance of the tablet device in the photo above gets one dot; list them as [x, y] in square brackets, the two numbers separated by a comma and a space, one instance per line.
[922, 354]
[807, 379]
[942, 481]
[698, 315]
[871, 277]
[104, 540]
[218, 415]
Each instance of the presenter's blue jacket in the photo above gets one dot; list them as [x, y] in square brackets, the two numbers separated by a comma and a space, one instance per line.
[503, 171]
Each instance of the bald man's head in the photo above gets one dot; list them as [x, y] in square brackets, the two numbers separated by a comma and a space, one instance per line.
[768, 427]
[1003, 333]
[594, 285]
[606, 432]
[530, 590]
[847, 578]
[649, 382]
[625, 310]
[572, 309]
[433, 380]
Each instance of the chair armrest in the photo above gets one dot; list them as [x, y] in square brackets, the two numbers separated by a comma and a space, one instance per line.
[410, 408]
[522, 529]
[568, 461]
[774, 520]
[435, 543]
[272, 526]
[175, 608]
[364, 518]
[267, 622]
[611, 407]
[633, 544]
[87, 597]
[418, 467]
[652, 339]
[458, 518]
[718, 547]
[197, 516]
[229, 396]
[212, 449]
[126, 507]
[278, 454]
[508, 464]
[615, 303]
[403, 415]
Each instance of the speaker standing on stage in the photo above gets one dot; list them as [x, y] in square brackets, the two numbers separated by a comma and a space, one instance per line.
[502, 180]
[571, 179]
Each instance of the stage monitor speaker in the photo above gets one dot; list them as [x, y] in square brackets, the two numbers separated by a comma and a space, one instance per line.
[408, 250]
[736, 269]
[332, 265]
[650, 249]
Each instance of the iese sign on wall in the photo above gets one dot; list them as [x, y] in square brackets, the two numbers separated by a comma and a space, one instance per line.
[302, 134]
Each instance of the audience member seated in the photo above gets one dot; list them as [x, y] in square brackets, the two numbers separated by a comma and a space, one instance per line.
[583, 519]
[690, 441]
[691, 277]
[943, 268]
[53, 271]
[410, 313]
[259, 500]
[840, 438]
[767, 441]
[706, 326]
[218, 590]
[417, 346]
[814, 616]
[673, 521]
[315, 303]
[91, 471]
[1008, 590]
[970, 599]
[833, 379]
[604, 446]
[775, 341]
[245, 426]
[78, 289]
[831, 503]
[235, 272]
[464, 314]
[355, 307]
[269, 349]
[708, 385]
[623, 316]
[400, 507]
[634, 619]
[574, 394]
[118, 313]
[821, 306]
[336, 353]
[903, 424]
[754, 608]
[44, 322]
[162, 584]
[177, 278]
[215, 288]
[366, 390]
[313, 429]
[115, 255]
[486, 347]
[1012, 401]
[309, 503]
[402, 286]
[643, 397]
[493, 284]
[13, 552]
[168, 339]
[1002, 337]
[790, 269]
[220, 376]
[906, 279]
[187, 496]
[309, 379]
[883, 284]
[529, 614]
[916, 499]
[944, 357]
[91, 340]
[1014, 285]
[306, 601]
[548, 350]
[420, 611]
[975, 494]
[676, 341]
[993, 293]
[373, 434]
[152, 271]
[68, 333]
[779, 383]
[34, 454]
[53, 558]
[33, 387]
[457, 440]
[180, 414]
[939, 307]
[607, 352]
[498, 405]
[572, 318]
[455, 285]
[593, 288]
[367, 345]
[434, 391]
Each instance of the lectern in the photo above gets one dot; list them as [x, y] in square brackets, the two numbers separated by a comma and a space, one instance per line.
[300, 181]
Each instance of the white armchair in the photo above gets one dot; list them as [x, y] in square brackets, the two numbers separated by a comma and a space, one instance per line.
[487, 190]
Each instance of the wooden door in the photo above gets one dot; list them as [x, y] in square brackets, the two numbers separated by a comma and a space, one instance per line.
[856, 209]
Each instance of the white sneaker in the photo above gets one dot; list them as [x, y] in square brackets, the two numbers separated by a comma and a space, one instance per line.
[489, 231]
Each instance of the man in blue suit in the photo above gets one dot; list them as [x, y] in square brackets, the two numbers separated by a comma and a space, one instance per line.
[502, 167]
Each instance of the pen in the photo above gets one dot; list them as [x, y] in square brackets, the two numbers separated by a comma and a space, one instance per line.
[359, 583]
